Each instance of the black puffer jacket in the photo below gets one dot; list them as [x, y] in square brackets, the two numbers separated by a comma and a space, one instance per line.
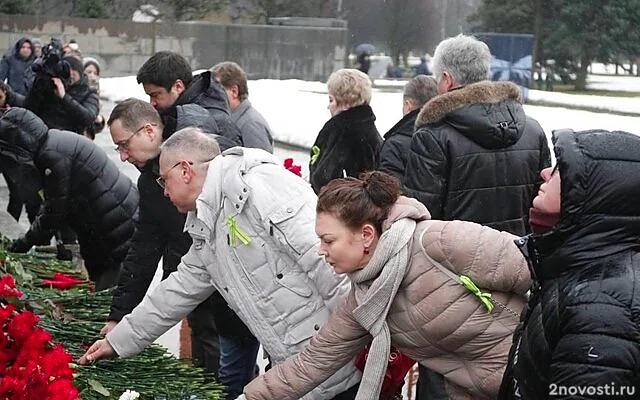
[346, 145]
[581, 327]
[211, 96]
[477, 157]
[82, 187]
[14, 68]
[75, 112]
[159, 233]
[392, 157]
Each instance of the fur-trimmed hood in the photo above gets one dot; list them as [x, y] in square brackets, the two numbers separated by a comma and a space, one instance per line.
[489, 113]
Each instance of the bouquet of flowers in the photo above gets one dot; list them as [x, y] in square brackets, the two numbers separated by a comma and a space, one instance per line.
[31, 366]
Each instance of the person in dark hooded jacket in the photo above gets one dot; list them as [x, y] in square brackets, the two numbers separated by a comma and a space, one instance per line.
[348, 143]
[579, 333]
[15, 64]
[62, 104]
[475, 155]
[82, 188]
[168, 80]
[392, 157]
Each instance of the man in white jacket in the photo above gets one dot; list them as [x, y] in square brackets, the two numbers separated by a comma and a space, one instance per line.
[252, 224]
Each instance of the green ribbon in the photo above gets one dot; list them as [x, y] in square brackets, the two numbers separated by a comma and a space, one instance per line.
[41, 194]
[236, 232]
[485, 298]
[315, 153]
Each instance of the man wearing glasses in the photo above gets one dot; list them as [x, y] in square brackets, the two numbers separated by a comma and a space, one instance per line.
[252, 224]
[137, 130]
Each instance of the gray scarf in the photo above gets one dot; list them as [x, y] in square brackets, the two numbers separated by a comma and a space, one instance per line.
[387, 266]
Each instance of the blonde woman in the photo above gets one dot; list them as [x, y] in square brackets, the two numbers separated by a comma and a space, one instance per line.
[348, 143]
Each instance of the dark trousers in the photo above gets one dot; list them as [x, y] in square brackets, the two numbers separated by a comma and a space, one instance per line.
[430, 385]
[237, 364]
[205, 342]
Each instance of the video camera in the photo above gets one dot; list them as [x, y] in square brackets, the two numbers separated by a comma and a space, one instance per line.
[50, 63]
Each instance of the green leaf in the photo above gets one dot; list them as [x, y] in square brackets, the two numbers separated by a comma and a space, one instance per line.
[21, 272]
[97, 386]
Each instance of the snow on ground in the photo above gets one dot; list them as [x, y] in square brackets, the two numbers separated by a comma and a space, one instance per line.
[297, 110]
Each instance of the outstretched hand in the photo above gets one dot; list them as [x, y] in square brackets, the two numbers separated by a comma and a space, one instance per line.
[99, 350]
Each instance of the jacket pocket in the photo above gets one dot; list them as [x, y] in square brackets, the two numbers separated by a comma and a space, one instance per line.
[286, 229]
[294, 282]
[301, 332]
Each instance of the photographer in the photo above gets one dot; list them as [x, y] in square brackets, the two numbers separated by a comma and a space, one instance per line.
[60, 94]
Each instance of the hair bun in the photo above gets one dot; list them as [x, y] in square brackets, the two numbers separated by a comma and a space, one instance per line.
[382, 188]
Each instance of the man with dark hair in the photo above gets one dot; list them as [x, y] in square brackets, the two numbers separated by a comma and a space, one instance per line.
[137, 130]
[168, 80]
[254, 128]
[392, 157]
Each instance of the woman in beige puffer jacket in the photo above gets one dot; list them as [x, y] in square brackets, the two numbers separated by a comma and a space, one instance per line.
[409, 275]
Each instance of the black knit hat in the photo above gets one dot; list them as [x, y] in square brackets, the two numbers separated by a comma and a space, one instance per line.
[74, 63]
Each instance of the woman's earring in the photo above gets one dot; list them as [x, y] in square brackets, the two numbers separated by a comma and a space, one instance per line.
[366, 250]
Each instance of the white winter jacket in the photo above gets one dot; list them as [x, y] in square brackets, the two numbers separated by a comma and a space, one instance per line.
[254, 242]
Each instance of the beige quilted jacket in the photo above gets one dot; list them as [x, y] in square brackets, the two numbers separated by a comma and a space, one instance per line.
[432, 319]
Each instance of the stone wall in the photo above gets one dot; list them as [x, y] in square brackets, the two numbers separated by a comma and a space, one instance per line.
[264, 51]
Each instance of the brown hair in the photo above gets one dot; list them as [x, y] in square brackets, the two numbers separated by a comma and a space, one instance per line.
[229, 73]
[420, 89]
[359, 201]
[134, 112]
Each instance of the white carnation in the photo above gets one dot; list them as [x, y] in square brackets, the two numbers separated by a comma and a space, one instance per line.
[129, 395]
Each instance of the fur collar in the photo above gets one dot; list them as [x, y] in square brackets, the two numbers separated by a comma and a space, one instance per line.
[480, 92]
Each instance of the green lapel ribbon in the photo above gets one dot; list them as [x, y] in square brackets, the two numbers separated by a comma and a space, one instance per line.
[485, 298]
[315, 153]
[236, 232]
[41, 194]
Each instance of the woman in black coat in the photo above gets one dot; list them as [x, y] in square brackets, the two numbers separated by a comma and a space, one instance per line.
[348, 143]
[81, 186]
[580, 332]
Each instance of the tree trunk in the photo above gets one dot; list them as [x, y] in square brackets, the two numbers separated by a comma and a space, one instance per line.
[537, 24]
[581, 75]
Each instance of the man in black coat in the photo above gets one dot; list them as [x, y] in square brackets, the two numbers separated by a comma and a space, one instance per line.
[475, 155]
[392, 157]
[579, 333]
[138, 132]
[81, 188]
[168, 80]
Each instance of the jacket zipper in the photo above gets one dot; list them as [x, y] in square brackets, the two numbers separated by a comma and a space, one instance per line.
[272, 225]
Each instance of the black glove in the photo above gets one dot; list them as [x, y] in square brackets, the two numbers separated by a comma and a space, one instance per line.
[20, 245]
[64, 254]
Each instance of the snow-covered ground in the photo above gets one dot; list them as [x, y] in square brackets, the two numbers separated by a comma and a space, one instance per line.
[297, 110]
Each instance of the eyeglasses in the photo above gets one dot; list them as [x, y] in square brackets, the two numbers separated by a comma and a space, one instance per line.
[123, 145]
[160, 180]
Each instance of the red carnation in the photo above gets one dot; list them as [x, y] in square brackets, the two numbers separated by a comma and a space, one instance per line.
[296, 169]
[22, 326]
[8, 286]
